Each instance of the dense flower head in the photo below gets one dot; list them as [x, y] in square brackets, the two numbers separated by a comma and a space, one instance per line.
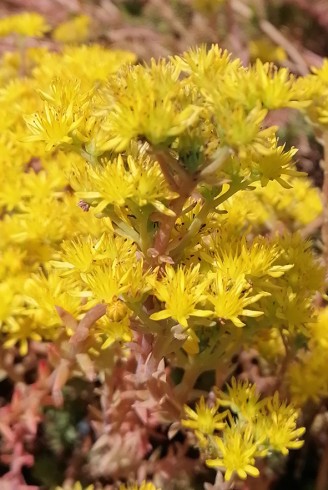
[306, 376]
[204, 419]
[166, 112]
[76, 30]
[120, 182]
[265, 50]
[237, 452]
[314, 88]
[250, 428]
[181, 291]
[139, 205]
[24, 24]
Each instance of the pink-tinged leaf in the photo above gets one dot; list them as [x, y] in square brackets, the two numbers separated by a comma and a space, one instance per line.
[86, 365]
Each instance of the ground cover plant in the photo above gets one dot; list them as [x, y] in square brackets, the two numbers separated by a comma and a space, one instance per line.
[163, 260]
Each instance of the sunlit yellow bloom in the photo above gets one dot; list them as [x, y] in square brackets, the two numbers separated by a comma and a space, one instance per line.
[20, 331]
[272, 163]
[300, 203]
[264, 49]
[306, 375]
[161, 116]
[53, 127]
[307, 272]
[113, 330]
[280, 426]
[239, 127]
[138, 180]
[24, 24]
[83, 252]
[256, 259]
[307, 379]
[181, 291]
[204, 419]
[76, 30]
[205, 65]
[230, 299]
[242, 398]
[107, 281]
[274, 86]
[236, 452]
[9, 300]
[44, 292]
[314, 88]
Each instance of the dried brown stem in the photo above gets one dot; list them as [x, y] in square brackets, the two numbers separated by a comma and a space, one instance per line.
[234, 39]
[311, 228]
[166, 11]
[277, 37]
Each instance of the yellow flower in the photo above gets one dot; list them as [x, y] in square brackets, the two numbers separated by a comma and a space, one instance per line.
[26, 24]
[53, 127]
[153, 106]
[76, 30]
[20, 330]
[279, 426]
[266, 50]
[236, 452]
[119, 182]
[313, 88]
[76, 486]
[78, 254]
[274, 86]
[135, 486]
[204, 419]
[307, 273]
[256, 259]
[307, 377]
[272, 163]
[205, 65]
[84, 252]
[300, 203]
[44, 292]
[107, 281]
[105, 62]
[10, 300]
[230, 299]
[181, 290]
[115, 325]
[242, 398]
[238, 127]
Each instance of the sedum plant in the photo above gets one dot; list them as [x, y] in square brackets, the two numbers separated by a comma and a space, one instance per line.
[151, 231]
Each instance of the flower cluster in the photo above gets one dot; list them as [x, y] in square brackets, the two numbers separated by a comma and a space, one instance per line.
[250, 428]
[140, 236]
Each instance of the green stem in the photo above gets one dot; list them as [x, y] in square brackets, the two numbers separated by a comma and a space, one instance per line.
[151, 325]
[190, 375]
[126, 231]
[142, 215]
